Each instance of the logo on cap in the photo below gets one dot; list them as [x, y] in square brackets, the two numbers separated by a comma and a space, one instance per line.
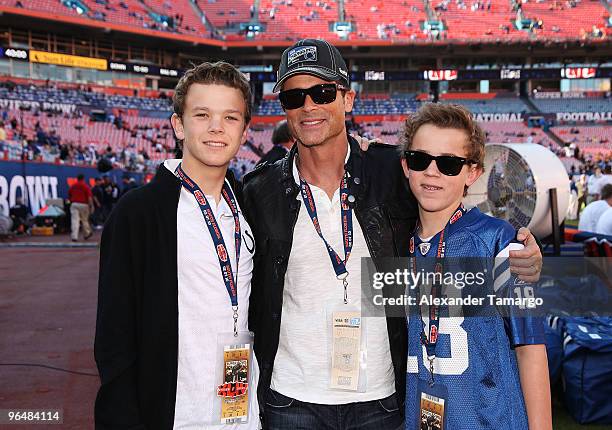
[301, 53]
[342, 71]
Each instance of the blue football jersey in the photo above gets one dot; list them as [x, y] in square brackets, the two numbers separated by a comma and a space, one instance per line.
[475, 359]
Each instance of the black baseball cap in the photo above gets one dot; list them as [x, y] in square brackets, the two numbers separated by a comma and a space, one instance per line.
[312, 57]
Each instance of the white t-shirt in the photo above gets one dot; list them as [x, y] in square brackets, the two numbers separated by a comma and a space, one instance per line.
[301, 366]
[604, 225]
[591, 214]
[205, 310]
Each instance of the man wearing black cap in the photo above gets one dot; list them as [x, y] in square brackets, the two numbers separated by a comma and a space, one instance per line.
[311, 378]
[315, 214]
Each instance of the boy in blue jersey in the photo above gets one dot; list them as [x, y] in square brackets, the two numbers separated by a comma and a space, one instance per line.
[465, 372]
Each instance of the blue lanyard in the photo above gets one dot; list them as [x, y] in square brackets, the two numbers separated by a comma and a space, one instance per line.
[338, 264]
[217, 237]
[431, 341]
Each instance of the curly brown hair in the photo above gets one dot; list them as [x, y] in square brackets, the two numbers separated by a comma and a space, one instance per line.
[447, 116]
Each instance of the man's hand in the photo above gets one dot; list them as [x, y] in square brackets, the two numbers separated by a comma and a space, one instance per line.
[364, 143]
[526, 263]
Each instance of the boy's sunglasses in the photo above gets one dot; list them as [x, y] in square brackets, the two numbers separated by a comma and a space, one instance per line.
[448, 165]
[321, 94]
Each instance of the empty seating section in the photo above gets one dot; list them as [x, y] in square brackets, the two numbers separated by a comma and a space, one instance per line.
[220, 12]
[269, 107]
[588, 138]
[51, 6]
[564, 21]
[388, 19]
[387, 131]
[82, 131]
[84, 98]
[516, 132]
[494, 105]
[573, 105]
[396, 105]
[128, 12]
[124, 12]
[466, 21]
[372, 19]
[189, 20]
[497, 132]
[261, 137]
[297, 19]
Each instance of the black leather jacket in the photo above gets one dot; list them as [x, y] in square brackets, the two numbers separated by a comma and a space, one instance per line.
[385, 210]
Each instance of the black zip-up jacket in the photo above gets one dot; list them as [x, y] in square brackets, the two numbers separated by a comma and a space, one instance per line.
[386, 212]
[136, 345]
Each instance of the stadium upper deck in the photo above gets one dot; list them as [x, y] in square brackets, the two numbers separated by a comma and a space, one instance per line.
[391, 21]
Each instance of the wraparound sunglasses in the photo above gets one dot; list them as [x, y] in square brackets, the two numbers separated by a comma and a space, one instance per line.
[448, 165]
[321, 94]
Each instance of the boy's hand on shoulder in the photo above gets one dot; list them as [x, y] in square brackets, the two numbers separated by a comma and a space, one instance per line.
[527, 262]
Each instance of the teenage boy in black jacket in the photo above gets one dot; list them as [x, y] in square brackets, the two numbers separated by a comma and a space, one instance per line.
[175, 272]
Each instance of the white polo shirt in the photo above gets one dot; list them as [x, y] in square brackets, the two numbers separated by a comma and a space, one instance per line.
[301, 367]
[205, 310]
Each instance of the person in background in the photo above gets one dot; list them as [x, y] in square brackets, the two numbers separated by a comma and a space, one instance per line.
[282, 140]
[606, 178]
[19, 215]
[593, 185]
[98, 196]
[129, 183]
[591, 215]
[108, 197]
[582, 192]
[81, 200]
[2, 136]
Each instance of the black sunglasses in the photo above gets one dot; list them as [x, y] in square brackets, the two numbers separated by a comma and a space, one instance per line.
[321, 94]
[448, 165]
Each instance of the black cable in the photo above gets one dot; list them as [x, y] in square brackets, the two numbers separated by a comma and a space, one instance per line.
[44, 366]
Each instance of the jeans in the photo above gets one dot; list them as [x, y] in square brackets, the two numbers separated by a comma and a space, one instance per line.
[285, 413]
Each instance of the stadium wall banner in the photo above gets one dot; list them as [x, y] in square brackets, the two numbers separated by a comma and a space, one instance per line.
[558, 95]
[499, 117]
[584, 116]
[67, 60]
[16, 104]
[37, 182]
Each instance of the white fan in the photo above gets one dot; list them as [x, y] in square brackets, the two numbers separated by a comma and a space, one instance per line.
[515, 185]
